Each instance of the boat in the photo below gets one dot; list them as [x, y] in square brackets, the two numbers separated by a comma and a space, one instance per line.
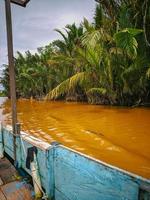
[62, 173]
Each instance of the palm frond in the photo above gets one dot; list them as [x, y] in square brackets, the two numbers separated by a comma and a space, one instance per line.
[87, 25]
[126, 40]
[61, 33]
[94, 37]
[91, 56]
[67, 85]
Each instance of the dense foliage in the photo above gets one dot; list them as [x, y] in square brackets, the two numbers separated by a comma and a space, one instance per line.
[104, 62]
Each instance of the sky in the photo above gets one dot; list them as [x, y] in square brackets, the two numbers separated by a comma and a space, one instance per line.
[34, 25]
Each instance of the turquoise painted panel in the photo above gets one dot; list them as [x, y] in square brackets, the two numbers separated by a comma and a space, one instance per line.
[8, 142]
[60, 196]
[79, 178]
[8, 139]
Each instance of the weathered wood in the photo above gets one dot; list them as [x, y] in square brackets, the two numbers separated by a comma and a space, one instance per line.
[79, 178]
[11, 67]
[16, 191]
[2, 197]
[7, 171]
[11, 188]
[60, 196]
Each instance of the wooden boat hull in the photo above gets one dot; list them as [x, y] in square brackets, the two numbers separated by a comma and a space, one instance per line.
[69, 175]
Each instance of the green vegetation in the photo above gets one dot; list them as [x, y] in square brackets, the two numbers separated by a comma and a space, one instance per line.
[105, 62]
[2, 94]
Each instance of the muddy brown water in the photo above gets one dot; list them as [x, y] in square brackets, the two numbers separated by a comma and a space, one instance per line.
[116, 135]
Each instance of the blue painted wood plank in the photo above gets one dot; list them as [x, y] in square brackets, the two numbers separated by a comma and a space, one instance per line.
[8, 139]
[60, 196]
[80, 178]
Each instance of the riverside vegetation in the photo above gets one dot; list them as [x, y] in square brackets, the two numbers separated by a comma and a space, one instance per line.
[104, 62]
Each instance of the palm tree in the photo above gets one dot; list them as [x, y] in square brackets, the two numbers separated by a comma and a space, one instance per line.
[104, 62]
[71, 38]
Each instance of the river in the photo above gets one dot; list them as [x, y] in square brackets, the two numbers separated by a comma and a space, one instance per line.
[119, 136]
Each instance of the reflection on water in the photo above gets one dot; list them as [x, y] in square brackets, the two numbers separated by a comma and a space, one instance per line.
[119, 136]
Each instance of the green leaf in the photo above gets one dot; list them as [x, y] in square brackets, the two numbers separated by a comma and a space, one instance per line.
[68, 85]
[133, 31]
[125, 39]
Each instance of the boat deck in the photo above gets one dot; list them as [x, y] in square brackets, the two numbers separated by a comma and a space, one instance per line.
[11, 185]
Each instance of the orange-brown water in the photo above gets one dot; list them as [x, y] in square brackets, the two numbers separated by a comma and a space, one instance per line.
[118, 136]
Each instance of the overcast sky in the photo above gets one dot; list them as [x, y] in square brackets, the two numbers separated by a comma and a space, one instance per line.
[34, 25]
